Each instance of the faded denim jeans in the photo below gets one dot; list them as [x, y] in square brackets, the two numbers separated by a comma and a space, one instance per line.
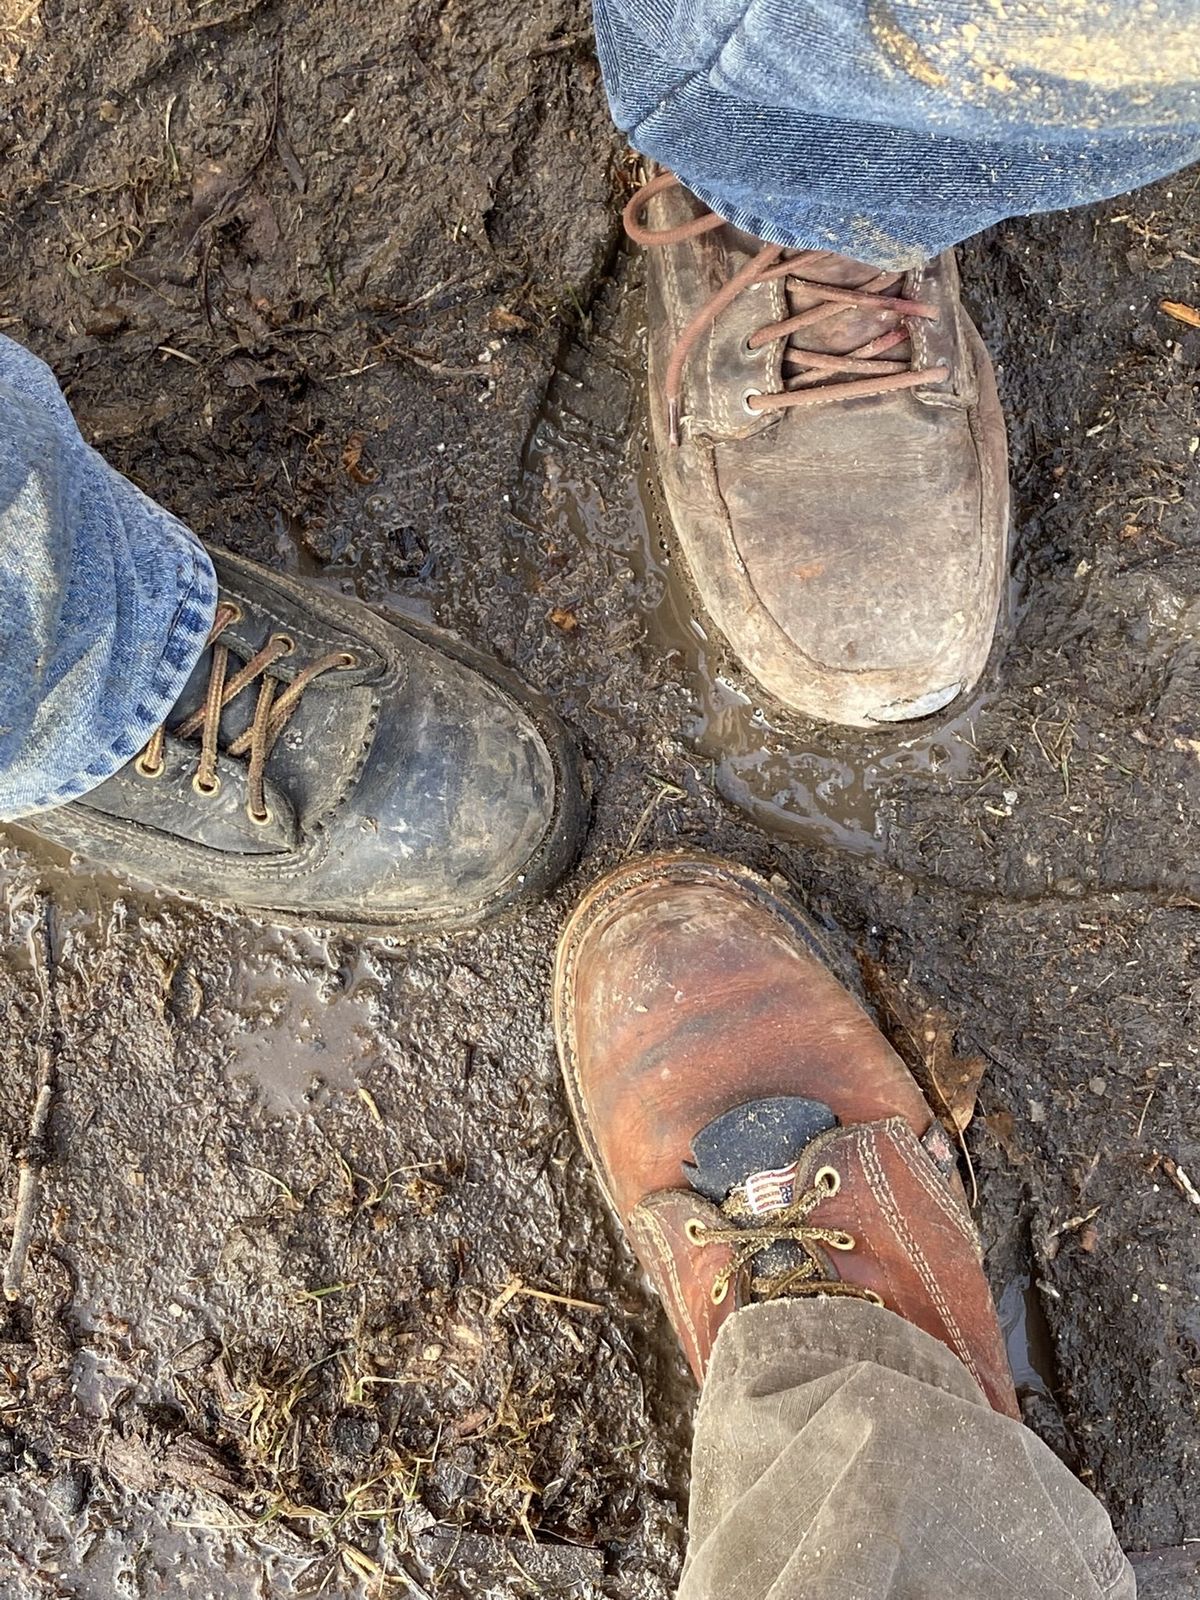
[106, 601]
[891, 129]
[842, 1454]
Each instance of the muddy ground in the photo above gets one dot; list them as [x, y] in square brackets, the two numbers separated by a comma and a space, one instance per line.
[345, 291]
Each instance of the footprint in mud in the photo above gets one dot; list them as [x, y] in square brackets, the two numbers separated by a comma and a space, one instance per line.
[305, 1032]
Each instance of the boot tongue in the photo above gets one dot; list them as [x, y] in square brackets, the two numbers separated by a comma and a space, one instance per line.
[753, 1148]
[746, 1162]
[850, 328]
[324, 720]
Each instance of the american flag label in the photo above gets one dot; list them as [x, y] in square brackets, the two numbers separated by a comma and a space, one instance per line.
[771, 1190]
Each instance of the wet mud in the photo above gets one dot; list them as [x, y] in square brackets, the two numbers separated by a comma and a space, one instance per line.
[352, 301]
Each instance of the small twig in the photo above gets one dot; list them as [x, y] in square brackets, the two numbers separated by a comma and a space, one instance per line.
[35, 1153]
[1142, 1118]
[170, 148]
[212, 22]
[516, 1287]
[1181, 1180]
[665, 791]
[17, 23]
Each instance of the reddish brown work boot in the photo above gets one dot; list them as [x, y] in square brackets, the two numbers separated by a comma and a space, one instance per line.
[752, 1129]
[832, 454]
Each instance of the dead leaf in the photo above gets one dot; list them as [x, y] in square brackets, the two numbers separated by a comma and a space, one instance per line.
[1181, 313]
[352, 459]
[105, 322]
[288, 156]
[261, 227]
[501, 320]
[241, 372]
[923, 1036]
[566, 620]
[1002, 1126]
[1052, 1243]
[212, 186]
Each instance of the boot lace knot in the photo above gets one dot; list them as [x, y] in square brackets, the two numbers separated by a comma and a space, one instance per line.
[788, 1225]
[277, 701]
[811, 377]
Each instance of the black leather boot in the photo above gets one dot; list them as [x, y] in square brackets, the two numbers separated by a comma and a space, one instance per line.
[327, 766]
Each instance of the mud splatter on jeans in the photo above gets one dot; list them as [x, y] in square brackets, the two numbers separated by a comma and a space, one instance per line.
[891, 129]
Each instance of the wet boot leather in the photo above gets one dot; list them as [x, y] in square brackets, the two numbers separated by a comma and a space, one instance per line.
[753, 1131]
[832, 454]
[366, 773]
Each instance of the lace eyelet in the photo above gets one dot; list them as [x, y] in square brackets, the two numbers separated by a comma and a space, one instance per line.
[747, 396]
[235, 611]
[752, 351]
[838, 1240]
[829, 1179]
[144, 771]
[718, 1292]
[208, 790]
[260, 819]
[285, 640]
[347, 661]
[693, 1228]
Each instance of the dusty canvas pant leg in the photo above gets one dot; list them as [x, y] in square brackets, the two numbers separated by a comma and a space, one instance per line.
[843, 1454]
[889, 129]
[106, 601]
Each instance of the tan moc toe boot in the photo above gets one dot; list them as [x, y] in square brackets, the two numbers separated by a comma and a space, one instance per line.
[753, 1131]
[832, 453]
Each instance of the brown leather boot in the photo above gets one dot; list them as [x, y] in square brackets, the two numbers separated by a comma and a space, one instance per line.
[752, 1129]
[832, 454]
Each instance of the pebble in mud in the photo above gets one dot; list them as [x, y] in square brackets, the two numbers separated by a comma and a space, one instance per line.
[68, 1490]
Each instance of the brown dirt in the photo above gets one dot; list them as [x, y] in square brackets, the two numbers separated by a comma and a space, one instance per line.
[350, 299]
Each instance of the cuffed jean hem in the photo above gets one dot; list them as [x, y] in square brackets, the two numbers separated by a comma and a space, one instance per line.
[886, 240]
[819, 124]
[106, 601]
[862, 221]
[185, 644]
[841, 1452]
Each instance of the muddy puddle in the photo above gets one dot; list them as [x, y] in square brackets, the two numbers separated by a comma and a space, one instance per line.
[1027, 1339]
[306, 1029]
[298, 1014]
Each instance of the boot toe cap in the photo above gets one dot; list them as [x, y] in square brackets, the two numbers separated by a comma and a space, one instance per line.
[468, 801]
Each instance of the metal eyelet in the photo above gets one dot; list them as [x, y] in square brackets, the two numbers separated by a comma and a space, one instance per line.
[207, 789]
[235, 611]
[838, 1240]
[829, 1179]
[752, 351]
[144, 771]
[285, 640]
[747, 396]
[347, 661]
[875, 1299]
[718, 1292]
[260, 819]
[693, 1228]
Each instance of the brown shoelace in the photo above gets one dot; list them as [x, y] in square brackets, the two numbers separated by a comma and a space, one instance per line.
[273, 710]
[866, 370]
[789, 1225]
